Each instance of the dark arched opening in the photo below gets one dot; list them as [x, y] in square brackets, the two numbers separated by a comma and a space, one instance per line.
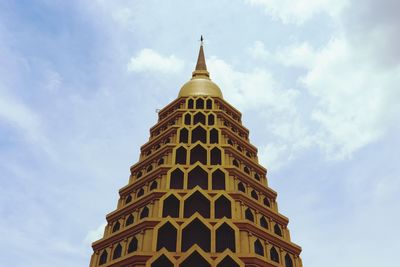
[215, 156]
[197, 202]
[199, 134]
[195, 260]
[171, 207]
[198, 177]
[176, 181]
[228, 262]
[274, 255]
[183, 135]
[162, 261]
[180, 156]
[225, 238]
[196, 233]
[198, 154]
[144, 213]
[199, 118]
[213, 136]
[223, 208]
[133, 245]
[166, 237]
[249, 215]
[218, 180]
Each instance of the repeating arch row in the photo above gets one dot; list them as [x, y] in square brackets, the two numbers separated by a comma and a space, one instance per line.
[198, 176]
[199, 117]
[256, 196]
[272, 253]
[198, 134]
[129, 219]
[153, 185]
[196, 259]
[119, 250]
[217, 238]
[199, 103]
[198, 153]
[218, 207]
[263, 221]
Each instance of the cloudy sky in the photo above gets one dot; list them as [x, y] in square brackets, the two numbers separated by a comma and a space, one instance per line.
[317, 82]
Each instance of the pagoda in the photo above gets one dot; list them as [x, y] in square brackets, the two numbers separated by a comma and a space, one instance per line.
[198, 196]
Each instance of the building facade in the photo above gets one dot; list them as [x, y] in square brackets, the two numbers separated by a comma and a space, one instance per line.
[198, 196]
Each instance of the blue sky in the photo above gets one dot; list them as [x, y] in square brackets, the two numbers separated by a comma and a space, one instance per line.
[316, 81]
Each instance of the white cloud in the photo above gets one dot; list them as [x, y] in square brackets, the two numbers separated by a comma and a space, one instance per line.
[297, 55]
[299, 11]
[258, 50]
[95, 234]
[149, 60]
[21, 117]
[249, 90]
[355, 99]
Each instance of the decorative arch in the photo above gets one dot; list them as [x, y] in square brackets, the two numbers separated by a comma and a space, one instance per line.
[258, 248]
[263, 222]
[209, 104]
[140, 193]
[198, 177]
[211, 119]
[266, 202]
[288, 261]
[171, 206]
[228, 262]
[199, 103]
[225, 238]
[162, 261]
[166, 237]
[116, 226]
[257, 176]
[199, 117]
[218, 180]
[144, 213]
[103, 257]
[199, 134]
[128, 199]
[241, 187]
[153, 185]
[196, 232]
[277, 229]
[195, 260]
[274, 254]
[214, 136]
[129, 220]
[246, 170]
[117, 252]
[190, 103]
[188, 119]
[249, 215]
[215, 158]
[254, 194]
[235, 163]
[198, 154]
[184, 135]
[176, 179]
[180, 157]
[197, 202]
[222, 208]
[133, 245]
[149, 169]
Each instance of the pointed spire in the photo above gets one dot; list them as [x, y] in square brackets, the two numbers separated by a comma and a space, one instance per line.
[201, 67]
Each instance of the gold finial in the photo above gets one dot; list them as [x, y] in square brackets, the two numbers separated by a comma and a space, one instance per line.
[201, 67]
[200, 84]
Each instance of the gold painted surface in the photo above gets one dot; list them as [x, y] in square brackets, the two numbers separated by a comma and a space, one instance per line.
[200, 86]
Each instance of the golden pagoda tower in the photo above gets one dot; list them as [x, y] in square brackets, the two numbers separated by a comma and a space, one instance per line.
[198, 196]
